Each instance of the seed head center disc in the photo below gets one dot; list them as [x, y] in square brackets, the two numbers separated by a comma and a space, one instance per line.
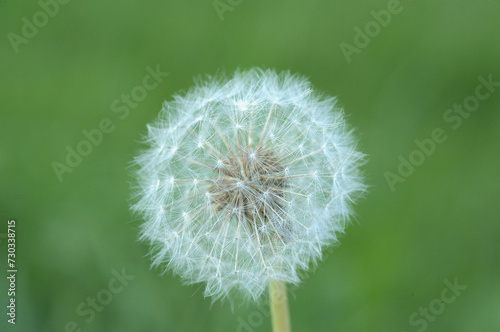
[251, 186]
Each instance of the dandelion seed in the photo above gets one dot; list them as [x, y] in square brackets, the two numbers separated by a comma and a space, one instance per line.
[266, 195]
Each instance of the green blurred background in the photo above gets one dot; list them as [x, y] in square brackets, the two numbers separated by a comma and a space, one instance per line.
[441, 223]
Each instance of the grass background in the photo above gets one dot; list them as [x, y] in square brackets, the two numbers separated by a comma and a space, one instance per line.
[441, 223]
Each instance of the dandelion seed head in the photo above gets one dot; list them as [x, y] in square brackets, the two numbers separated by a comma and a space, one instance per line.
[262, 174]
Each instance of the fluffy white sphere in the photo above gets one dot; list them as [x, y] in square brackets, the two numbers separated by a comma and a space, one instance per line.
[246, 180]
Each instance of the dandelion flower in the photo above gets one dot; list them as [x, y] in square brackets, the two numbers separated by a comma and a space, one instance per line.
[245, 180]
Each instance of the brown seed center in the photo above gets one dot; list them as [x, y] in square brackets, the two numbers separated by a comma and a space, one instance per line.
[251, 186]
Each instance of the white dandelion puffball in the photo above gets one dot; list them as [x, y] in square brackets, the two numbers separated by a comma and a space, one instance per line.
[246, 180]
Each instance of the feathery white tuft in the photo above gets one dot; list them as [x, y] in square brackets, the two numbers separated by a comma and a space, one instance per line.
[246, 180]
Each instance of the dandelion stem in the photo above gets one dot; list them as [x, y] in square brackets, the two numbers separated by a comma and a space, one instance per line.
[279, 306]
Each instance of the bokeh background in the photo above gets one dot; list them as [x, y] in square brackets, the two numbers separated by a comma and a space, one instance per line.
[441, 223]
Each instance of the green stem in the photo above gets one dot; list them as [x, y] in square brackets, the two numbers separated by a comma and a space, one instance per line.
[279, 306]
